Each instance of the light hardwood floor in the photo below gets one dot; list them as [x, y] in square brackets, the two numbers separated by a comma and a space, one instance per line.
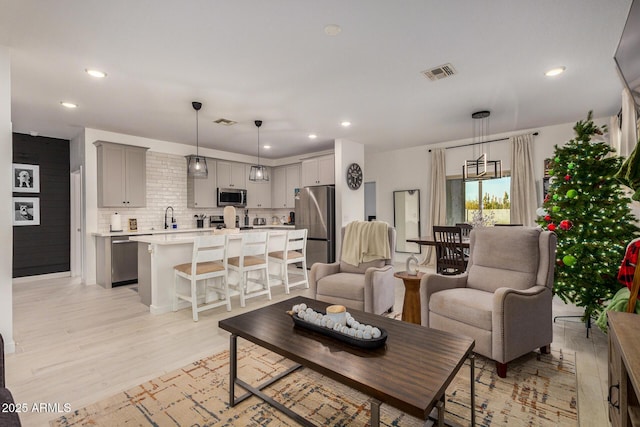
[77, 344]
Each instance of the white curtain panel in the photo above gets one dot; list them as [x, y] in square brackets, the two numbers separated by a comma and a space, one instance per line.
[629, 136]
[615, 135]
[524, 200]
[438, 202]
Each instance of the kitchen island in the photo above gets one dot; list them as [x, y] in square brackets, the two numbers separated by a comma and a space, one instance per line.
[157, 254]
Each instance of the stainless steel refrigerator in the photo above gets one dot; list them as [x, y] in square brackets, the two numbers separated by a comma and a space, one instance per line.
[315, 211]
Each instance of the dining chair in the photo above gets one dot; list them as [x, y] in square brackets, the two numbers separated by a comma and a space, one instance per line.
[465, 228]
[208, 261]
[253, 258]
[449, 251]
[295, 251]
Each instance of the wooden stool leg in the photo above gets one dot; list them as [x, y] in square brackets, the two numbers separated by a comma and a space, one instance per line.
[501, 368]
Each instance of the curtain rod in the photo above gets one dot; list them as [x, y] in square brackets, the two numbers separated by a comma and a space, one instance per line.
[483, 142]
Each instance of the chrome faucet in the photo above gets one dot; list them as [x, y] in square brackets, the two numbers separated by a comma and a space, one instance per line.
[166, 211]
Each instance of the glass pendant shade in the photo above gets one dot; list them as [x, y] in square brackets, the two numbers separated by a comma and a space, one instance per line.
[197, 166]
[258, 172]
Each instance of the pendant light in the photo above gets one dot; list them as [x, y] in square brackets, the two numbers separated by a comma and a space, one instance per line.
[258, 172]
[197, 165]
[481, 168]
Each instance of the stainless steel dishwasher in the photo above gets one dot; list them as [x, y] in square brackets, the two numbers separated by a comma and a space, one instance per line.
[124, 261]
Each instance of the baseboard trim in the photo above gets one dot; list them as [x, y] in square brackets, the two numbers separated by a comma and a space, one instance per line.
[42, 277]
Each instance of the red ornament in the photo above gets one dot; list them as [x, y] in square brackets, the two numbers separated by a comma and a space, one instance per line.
[566, 224]
[547, 218]
[551, 227]
[567, 177]
[547, 197]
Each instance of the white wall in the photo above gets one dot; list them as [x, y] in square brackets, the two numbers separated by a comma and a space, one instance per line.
[6, 229]
[410, 168]
[349, 203]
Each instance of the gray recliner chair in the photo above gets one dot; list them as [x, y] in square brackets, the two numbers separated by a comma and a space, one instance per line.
[503, 300]
[368, 287]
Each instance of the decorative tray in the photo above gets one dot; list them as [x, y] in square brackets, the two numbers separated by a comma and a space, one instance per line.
[354, 341]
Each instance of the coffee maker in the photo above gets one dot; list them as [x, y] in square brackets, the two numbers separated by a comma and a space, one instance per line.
[292, 218]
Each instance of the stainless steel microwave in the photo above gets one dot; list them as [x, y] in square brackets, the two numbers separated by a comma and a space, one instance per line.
[232, 197]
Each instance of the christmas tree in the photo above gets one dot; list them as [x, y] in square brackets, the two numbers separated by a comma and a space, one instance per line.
[588, 211]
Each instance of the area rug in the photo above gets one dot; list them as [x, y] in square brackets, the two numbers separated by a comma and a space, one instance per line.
[540, 390]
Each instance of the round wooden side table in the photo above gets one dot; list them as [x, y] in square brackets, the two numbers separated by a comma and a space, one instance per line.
[411, 304]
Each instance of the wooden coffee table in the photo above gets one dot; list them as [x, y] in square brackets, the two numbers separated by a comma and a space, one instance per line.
[410, 372]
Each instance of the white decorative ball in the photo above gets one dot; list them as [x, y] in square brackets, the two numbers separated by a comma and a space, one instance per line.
[302, 306]
[318, 322]
[352, 332]
[359, 333]
[323, 321]
[301, 314]
[330, 323]
[295, 308]
[344, 329]
[366, 335]
[362, 327]
[307, 317]
[375, 333]
[350, 320]
[368, 328]
[337, 327]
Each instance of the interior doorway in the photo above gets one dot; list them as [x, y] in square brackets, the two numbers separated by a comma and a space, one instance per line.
[77, 249]
[369, 201]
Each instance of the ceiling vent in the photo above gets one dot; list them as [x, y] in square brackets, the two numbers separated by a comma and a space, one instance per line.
[440, 72]
[225, 122]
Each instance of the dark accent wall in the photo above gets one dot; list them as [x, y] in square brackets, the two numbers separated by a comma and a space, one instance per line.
[44, 248]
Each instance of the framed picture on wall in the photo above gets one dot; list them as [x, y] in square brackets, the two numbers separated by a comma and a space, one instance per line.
[26, 211]
[26, 178]
[133, 224]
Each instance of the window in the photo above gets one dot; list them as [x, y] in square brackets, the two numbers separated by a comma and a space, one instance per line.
[464, 200]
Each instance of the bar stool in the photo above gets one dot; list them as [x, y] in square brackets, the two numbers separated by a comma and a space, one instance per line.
[253, 258]
[208, 261]
[295, 250]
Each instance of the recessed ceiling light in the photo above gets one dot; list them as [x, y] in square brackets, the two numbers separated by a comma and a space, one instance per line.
[68, 104]
[96, 73]
[312, 136]
[555, 71]
[345, 124]
[266, 147]
[332, 29]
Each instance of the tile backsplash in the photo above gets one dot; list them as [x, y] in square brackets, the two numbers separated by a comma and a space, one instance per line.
[167, 186]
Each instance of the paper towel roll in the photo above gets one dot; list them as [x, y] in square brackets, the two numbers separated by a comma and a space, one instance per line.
[116, 223]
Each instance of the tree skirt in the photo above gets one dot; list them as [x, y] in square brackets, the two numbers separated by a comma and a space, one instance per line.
[540, 390]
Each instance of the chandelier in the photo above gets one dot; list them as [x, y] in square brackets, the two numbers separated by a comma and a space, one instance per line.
[481, 168]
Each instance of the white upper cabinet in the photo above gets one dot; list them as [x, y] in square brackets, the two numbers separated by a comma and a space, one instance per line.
[318, 171]
[122, 175]
[258, 193]
[202, 192]
[231, 175]
[285, 180]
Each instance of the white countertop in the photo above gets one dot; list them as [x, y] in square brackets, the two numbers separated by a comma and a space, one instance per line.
[188, 238]
[182, 230]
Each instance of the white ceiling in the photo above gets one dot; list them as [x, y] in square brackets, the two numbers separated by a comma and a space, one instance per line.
[271, 60]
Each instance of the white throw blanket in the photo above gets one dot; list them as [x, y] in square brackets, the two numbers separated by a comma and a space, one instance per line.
[365, 241]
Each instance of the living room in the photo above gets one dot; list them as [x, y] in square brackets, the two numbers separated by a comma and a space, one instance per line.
[390, 167]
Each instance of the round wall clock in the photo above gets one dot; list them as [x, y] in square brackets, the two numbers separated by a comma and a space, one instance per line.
[354, 176]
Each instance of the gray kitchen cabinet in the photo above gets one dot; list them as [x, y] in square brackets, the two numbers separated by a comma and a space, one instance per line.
[231, 175]
[122, 175]
[258, 193]
[285, 181]
[202, 192]
[318, 171]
